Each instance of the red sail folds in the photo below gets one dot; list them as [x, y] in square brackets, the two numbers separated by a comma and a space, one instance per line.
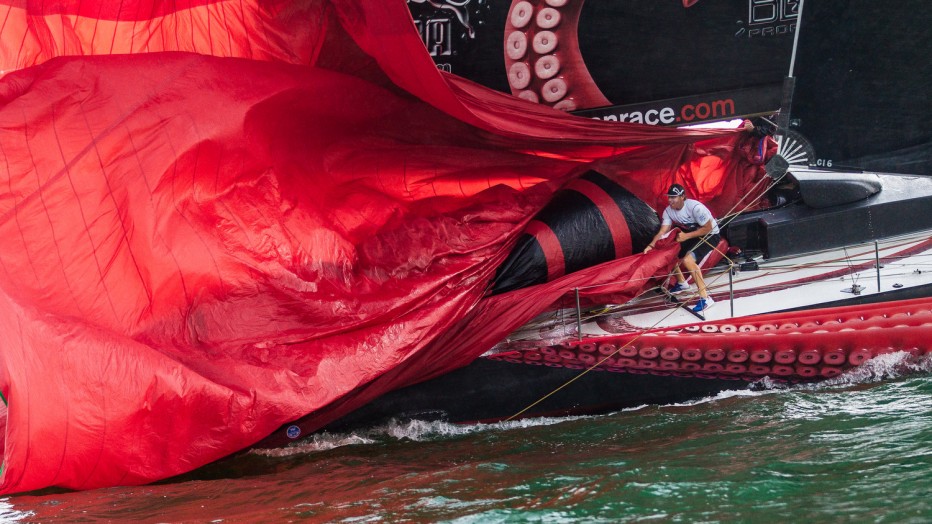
[292, 216]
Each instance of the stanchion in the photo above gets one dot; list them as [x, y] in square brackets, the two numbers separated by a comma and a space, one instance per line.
[877, 263]
[731, 288]
[578, 317]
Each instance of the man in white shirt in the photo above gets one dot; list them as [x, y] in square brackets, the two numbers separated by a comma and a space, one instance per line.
[698, 235]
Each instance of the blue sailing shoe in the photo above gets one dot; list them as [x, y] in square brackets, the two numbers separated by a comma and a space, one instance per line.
[703, 304]
[680, 287]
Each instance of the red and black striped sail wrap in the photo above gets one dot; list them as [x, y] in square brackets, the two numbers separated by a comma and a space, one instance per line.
[590, 221]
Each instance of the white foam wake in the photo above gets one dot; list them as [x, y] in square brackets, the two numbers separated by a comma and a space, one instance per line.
[398, 430]
[888, 366]
[9, 514]
[883, 367]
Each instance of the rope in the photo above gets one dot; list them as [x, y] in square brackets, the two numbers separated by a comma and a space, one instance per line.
[854, 276]
[590, 368]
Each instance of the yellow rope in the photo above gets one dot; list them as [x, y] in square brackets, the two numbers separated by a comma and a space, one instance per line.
[590, 368]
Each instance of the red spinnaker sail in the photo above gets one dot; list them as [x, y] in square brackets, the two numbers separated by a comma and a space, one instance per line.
[218, 217]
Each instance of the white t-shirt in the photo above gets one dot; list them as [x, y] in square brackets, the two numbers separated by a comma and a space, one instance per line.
[693, 216]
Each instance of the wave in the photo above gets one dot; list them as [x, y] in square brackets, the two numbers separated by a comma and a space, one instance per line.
[8, 514]
[407, 429]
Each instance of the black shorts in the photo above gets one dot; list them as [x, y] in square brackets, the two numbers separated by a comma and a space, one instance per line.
[698, 247]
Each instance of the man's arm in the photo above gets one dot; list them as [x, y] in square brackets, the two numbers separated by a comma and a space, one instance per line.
[663, 231]
[702, 231]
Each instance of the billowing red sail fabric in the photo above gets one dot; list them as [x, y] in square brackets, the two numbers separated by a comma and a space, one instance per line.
[33, 31]
[199, 248]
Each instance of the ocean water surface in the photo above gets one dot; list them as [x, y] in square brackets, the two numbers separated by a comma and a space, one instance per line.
[855, 449]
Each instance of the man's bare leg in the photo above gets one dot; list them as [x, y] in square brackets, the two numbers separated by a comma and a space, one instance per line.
[679, 275]
[689, 262]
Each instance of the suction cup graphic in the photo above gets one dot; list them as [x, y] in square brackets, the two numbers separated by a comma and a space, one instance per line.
[542, 55]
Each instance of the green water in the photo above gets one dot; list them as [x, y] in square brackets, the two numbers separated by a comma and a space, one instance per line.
[856, 451]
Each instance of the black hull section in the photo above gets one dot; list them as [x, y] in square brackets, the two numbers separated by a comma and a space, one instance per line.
[489, 390]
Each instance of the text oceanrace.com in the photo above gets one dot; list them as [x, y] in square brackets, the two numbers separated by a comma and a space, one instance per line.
[667, 115]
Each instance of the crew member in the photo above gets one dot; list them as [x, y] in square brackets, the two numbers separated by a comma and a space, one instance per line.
[698, 235]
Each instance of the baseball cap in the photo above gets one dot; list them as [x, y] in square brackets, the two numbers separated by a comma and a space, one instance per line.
[676, 190]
